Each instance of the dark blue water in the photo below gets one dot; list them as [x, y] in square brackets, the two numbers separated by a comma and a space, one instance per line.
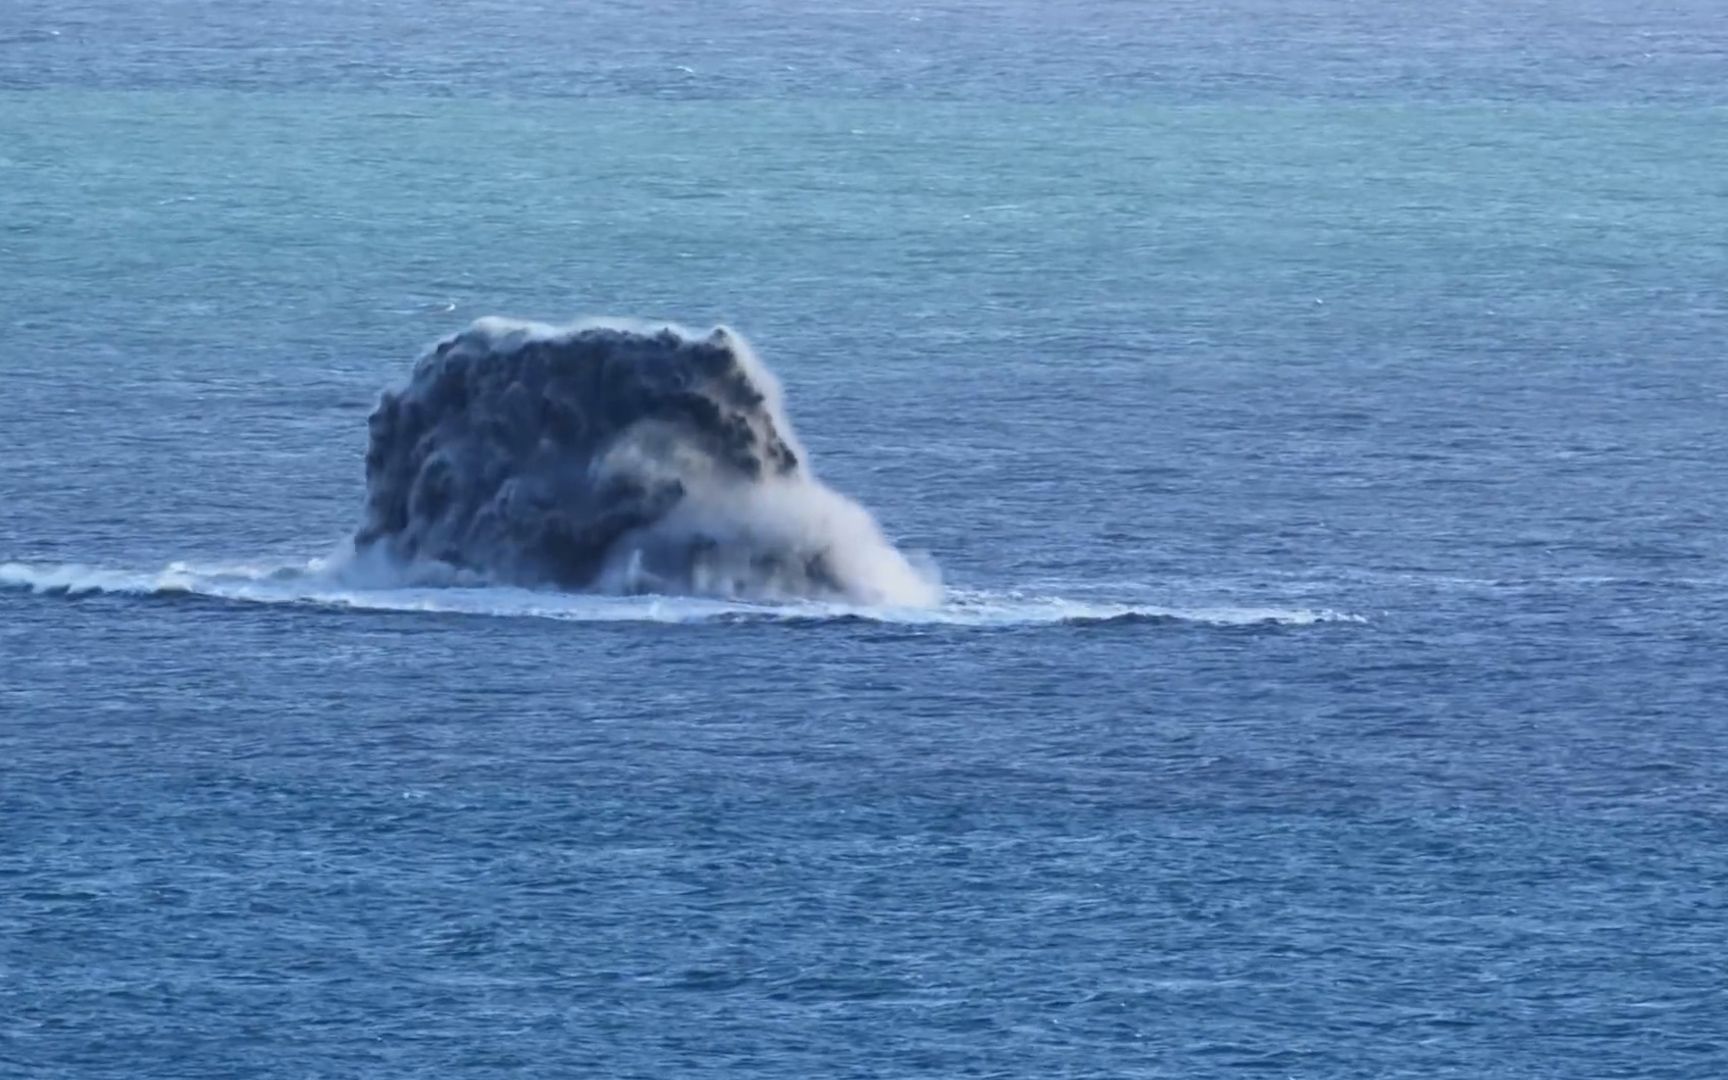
[1316, 415]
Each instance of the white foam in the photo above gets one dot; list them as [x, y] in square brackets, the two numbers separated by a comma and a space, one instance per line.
[343, 584]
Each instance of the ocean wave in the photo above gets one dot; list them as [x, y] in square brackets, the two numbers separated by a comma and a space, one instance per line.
[337, 584]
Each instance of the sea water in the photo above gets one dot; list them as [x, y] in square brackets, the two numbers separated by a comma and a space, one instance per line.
[1315, 412]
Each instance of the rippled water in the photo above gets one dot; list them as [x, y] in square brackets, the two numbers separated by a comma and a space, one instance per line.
[1316, 415]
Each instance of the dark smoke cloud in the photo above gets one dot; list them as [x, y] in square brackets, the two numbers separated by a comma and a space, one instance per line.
[613, 456]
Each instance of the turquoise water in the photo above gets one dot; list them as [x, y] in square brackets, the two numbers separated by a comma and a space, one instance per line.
[1316, 417]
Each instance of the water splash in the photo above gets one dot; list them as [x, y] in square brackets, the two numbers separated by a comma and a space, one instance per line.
[617, 457]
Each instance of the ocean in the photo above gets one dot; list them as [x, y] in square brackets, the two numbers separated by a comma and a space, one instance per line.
[1314, 412]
